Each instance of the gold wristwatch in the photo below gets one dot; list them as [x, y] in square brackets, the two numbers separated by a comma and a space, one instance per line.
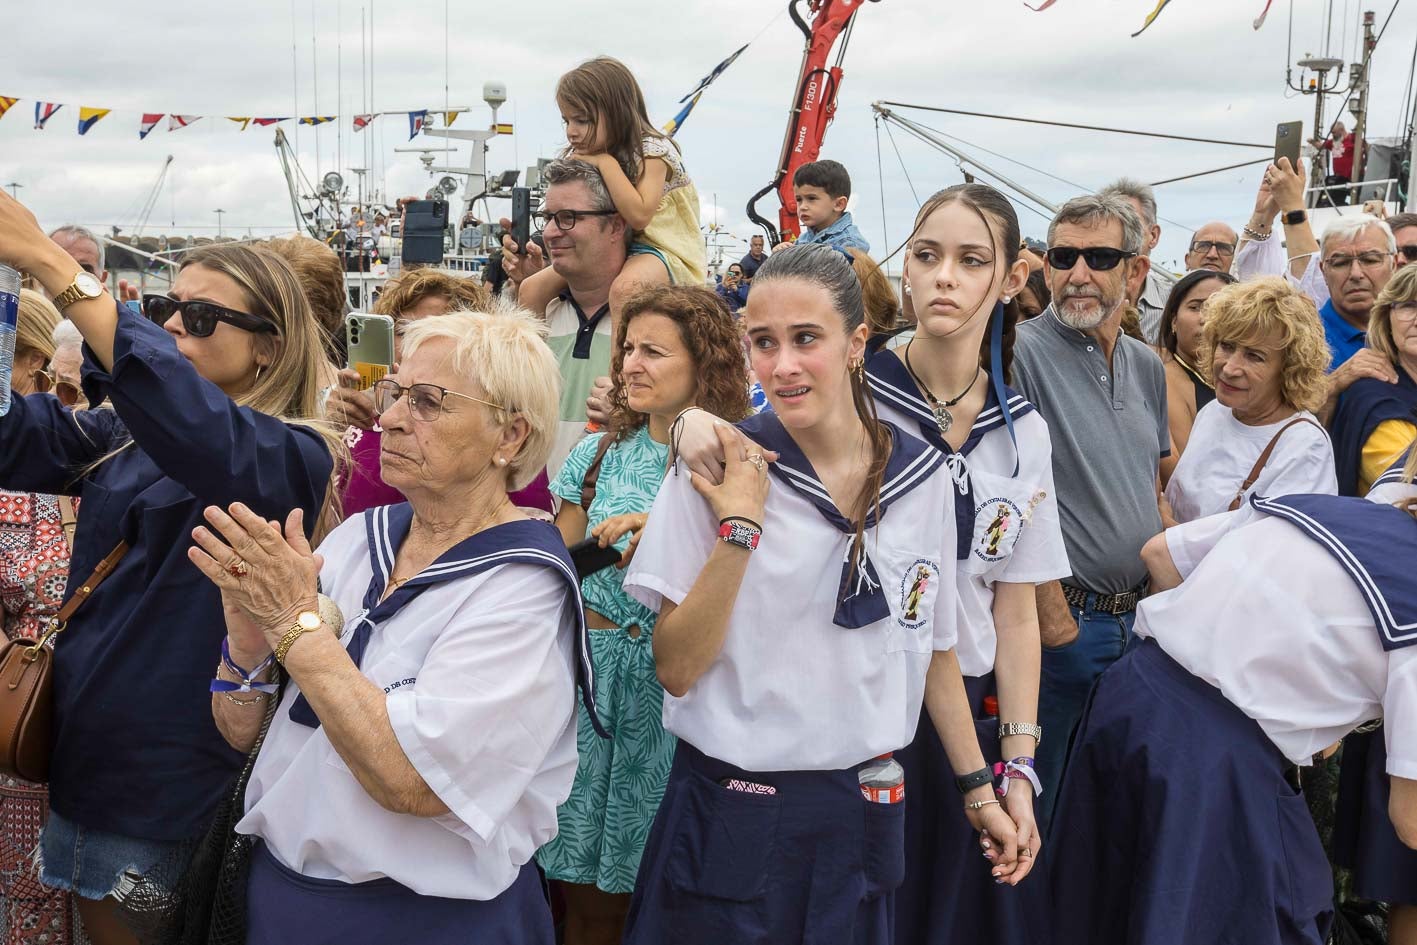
[84, 287]
[306, 622]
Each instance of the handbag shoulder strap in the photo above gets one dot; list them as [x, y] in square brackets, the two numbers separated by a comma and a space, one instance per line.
[68, 519]
[1258, 468]
[592, 473]
[86, 589]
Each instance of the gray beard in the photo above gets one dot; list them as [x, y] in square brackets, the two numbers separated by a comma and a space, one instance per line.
[1086, 322]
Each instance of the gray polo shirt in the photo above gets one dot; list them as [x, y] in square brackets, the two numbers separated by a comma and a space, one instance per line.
[1109, 431]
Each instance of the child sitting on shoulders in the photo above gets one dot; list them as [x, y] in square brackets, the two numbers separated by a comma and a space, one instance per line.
[822, 190]
[608, 127]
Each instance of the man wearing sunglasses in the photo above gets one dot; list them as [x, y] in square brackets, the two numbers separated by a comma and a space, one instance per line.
[1404, 231]
[587, 242]
[1104, 397]
[1212, 247]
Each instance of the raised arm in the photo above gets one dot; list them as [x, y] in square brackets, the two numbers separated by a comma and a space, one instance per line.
[636, 202]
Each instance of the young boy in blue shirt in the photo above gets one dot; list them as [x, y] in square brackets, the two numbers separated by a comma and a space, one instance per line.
[822, 190]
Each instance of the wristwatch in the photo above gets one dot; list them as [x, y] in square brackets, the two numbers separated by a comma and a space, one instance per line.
[85, 286]
[1021, 728]
[306, 622]
[1295, 217]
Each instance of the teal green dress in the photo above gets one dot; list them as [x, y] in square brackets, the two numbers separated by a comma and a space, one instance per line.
[619, 782]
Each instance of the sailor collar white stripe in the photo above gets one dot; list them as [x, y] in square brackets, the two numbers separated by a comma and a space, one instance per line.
[1377, 602]
[903, 481]
[907, 401]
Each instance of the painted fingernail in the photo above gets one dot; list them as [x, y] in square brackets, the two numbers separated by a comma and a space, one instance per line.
[985, 844]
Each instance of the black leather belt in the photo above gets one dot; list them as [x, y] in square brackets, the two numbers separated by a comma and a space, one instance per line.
[1122, 603]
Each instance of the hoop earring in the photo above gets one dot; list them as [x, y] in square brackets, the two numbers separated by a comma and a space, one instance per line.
[258, 377]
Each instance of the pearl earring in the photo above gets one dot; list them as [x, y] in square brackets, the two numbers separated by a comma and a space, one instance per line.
[1006, 299]
[501, 460]
[907, 288]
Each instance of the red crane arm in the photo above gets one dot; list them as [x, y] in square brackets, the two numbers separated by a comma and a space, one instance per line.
[813, 105]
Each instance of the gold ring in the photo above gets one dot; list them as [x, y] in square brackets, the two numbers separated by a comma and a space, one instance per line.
[758, 461]
[239, 569]
[1026, 853]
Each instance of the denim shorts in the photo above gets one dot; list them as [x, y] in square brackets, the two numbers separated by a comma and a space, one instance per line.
[94, 864]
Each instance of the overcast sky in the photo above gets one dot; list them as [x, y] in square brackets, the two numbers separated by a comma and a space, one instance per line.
[1200, 70]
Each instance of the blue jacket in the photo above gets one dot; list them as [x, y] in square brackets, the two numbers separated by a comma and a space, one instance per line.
[733, 298]
[842, 234]
[136, 752]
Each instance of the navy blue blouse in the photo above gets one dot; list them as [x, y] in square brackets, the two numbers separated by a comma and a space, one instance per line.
[136, 752]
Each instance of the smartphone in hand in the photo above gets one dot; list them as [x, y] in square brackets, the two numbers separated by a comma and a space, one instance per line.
[371, 346]
[1288, 139]
[521, 217]
[589, 557]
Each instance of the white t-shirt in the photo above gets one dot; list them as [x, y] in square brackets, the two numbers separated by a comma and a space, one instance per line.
[790, 690]
[1221, 452]
[1267, 616]
[1034, 553]
[480, 676]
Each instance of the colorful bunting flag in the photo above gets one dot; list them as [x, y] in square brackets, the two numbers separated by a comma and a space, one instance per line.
[88, 117]
[267, 122]
[317, 119]
[1161, 5]
[449, 118]
[1041, 7]
[243, 122]
[180, 121]
[416, 121]
[362, 121]
[673, 124]
[150, 120]
[43, 111]
[718, 70]
[6, 104]
[503, 128]
[1259, 20]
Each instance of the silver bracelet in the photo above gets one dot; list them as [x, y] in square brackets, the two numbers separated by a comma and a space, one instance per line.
[1255, 235]
[1006, 729]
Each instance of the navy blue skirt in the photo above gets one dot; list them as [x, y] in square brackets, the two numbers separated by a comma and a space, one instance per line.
[1364, 839]
[284, 907]
[948, 895]
[815, 862]
[1175, 823]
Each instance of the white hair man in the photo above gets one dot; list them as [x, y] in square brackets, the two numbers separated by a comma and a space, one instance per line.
[85, 248]
[1156, 288]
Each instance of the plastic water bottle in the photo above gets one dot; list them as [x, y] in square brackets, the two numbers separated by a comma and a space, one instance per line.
[9, 322]
[882, 780]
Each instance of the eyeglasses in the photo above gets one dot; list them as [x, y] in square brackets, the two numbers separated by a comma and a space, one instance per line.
[45, 381]
[1409, 252]
[199, 318]
[1405, 311]
[1098, 258]
[1205, 246]
[567, 219]
[1366, 260]
[425, 401]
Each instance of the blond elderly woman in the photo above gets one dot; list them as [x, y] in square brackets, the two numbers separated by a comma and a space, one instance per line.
[1263, 349]
[424, 740]
[1374, 421]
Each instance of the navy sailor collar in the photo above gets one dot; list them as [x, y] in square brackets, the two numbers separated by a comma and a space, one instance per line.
[892, 384]
[1394, 472]
[860, 598]
[1375, 543]
[527, 542]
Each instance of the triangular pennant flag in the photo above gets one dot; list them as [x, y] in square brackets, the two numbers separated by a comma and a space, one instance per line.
[673, 124]
[317, 119]
[6, 104]
[362, 121]
[449, 118]
[1042, 6]
[43, 111]
[1161, 5]
[707, 80]
[1259, 20]
[415, 122]
[503, 128]
[243, 122]
[180, 121]
[88, 117]
[266, 122]
[150, 120]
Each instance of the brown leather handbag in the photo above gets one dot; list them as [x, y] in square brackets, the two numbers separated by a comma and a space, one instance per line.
[26, 686]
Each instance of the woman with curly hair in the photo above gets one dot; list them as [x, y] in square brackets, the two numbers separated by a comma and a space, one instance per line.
[1263, 348]
[676, 349]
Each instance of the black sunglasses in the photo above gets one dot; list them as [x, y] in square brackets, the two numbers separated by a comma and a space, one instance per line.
[1409, 252]
[566, 219]
[199, 318]
[1098, 258]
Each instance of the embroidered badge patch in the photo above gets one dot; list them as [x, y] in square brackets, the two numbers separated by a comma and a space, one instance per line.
[997, 524]
[917, 592]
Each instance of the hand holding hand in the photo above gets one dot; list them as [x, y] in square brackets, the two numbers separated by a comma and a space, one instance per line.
[701, 447]
[998, 837]
[744, 490]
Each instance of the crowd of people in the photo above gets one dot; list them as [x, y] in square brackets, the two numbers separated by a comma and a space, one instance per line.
[1016, 605]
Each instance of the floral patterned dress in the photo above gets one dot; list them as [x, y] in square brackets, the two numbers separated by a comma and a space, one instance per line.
[619, 781]
[34, 568]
